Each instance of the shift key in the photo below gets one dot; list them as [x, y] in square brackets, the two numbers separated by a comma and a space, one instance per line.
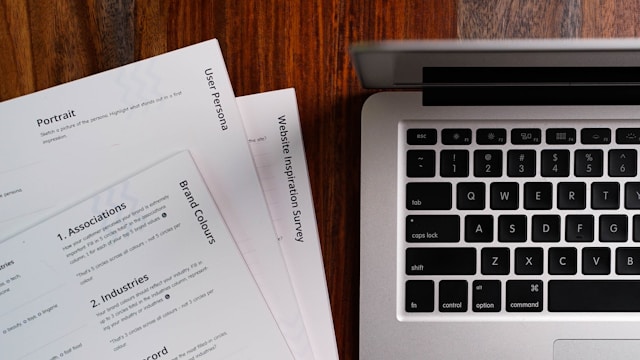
[433, 228]
[440, 261]
[429, 196]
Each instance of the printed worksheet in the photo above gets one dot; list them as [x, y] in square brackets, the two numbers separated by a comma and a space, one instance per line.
[71, 140]
[272, 124]
[146, 269]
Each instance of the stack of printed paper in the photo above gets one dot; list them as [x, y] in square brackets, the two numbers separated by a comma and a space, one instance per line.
[146, 213]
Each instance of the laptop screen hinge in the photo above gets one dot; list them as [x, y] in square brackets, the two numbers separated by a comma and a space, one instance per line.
[480, 95]
[531, 85]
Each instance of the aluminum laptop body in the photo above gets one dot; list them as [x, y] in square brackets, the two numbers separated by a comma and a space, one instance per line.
[448, 268]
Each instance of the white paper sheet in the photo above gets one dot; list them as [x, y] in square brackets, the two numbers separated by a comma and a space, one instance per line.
[70, 140]
[146, 269]
[272, 124]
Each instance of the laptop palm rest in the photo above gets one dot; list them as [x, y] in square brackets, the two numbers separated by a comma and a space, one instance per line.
[596, 349]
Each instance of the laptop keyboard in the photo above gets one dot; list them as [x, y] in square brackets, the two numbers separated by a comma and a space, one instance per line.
[519, 217]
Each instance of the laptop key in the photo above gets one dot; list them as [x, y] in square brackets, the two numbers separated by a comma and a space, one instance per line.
[486, 296]
[441, 261]
[419, 296]
[456, 136]
[555, 163]
[594, 295]
[429, 196]
[528, 261]
[454, 163]
[595, 136]
[623, 162]
[579, 228]
[421, 163]
[433, 228]
[628, 136]
[605, 195]
[596, 261]
[538, 196]
[613, 228]
[526, 136]
[495, 261]
[521, 163]
[561, 136]
[524, 295]
[422, 136]
[589, 163]
[453, 295]
[628, 261]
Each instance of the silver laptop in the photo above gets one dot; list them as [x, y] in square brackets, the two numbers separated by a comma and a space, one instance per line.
[500, 204]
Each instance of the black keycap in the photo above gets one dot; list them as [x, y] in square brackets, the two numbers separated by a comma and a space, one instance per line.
[555, 163]
[636, 227]
[596, 261]
[595, 136]
[433, 228]
[521, 163]
[572, 195]
[487, 296]
[429, 196]
[526, 136]
[538, 196]
[478, 228]
[563, 261]
[441, 261]
[628, 136]
[419, 296]
[524, 296]
[487, 163]
[421, 163]
[605, 195]
[589, 163]
[623, 162]
[528, 261]
[456, 136]
[494, 261]
[504, 196]
[613, 228]
[628, 261]
[579, 228]
[491, 136]
[594, 295]
[422, 136]
[561, 136]
[545, 228]
[454, 163]
[632, 195]
[453, 295]
[470, 196]
[512, 228]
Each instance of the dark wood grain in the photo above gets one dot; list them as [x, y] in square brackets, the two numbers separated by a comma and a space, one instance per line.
[519, 19]
[272, 44]
[610, 18]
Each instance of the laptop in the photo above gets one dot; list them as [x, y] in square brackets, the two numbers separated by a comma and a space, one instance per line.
[500, 201]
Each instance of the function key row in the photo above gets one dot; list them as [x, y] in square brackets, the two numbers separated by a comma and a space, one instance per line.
[522, 136]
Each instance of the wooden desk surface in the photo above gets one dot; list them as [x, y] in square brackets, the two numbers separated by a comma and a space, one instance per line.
[276, 44]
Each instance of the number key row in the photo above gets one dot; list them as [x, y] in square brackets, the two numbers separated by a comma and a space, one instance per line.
[521, 163]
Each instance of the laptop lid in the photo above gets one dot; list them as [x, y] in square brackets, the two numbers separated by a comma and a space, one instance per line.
[514, 72]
